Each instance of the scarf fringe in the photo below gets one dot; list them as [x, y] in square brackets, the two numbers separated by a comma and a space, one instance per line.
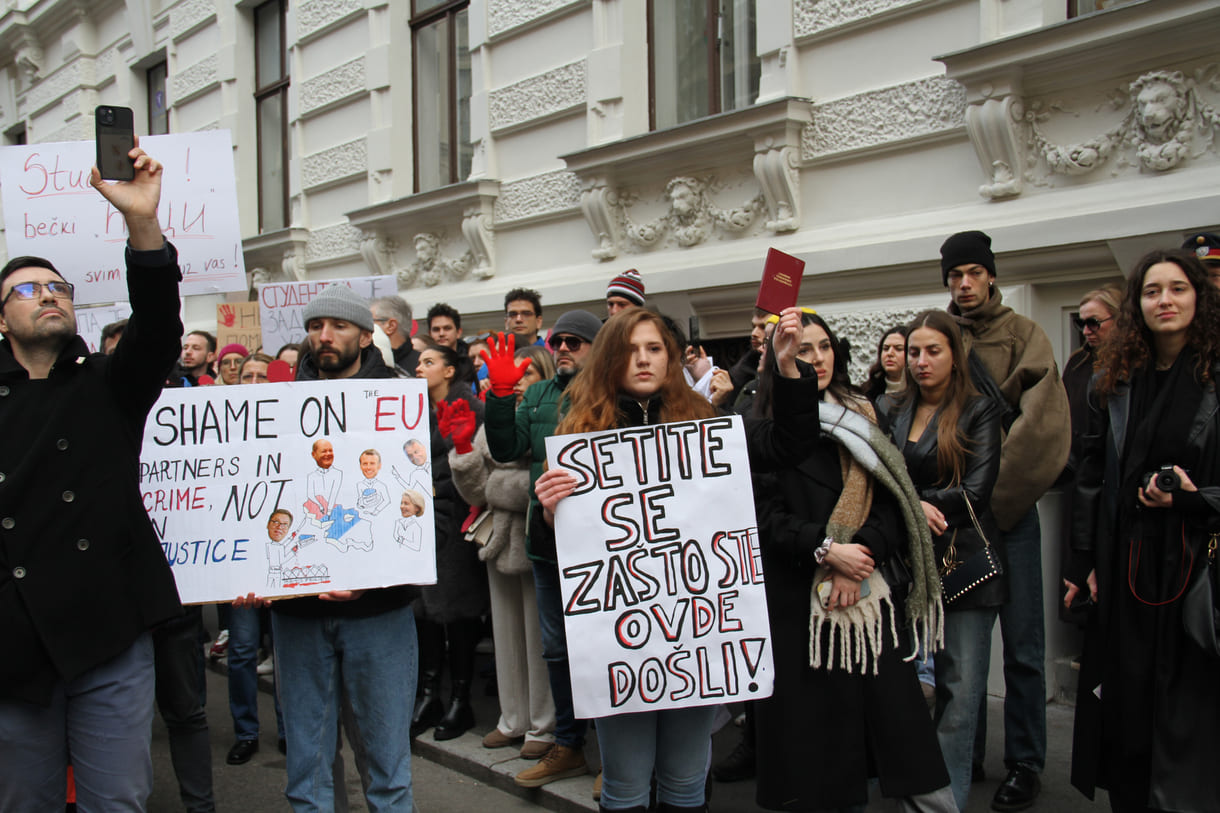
[852, 635]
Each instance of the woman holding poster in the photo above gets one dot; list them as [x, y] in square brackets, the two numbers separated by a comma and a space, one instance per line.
[633, 377]
[846, 551]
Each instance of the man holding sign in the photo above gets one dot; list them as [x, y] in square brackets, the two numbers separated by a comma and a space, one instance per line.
[82, 576]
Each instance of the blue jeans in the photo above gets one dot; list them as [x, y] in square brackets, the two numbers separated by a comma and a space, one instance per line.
[245, 629]
[375, 660]
[961, 684]
[101, 721]
[569, 731]
[1022, 628]
[178, 657]
[674, 743]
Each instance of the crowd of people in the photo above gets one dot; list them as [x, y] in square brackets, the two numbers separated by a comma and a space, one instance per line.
[898, 522]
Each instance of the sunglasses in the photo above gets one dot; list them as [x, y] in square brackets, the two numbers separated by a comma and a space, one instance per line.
[1092, 323]
[572, 342]
[33, 290]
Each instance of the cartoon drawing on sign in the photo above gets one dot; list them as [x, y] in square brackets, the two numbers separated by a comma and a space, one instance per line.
[283, 569]
[408, 532]
[373, 495]
[419, 477]
[338, 526]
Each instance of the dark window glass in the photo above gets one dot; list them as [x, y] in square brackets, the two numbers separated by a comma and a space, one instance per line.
[443, 150]
[271, 104]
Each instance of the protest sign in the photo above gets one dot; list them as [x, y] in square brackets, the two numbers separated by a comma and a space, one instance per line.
[51, 211]
[90, 321]
[238, 322]
[280, 305]
[220, 465]
[660, 569]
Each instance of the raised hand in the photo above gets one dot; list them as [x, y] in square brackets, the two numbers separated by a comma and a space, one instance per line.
[137, 199]
[463, 425]
[503, 371]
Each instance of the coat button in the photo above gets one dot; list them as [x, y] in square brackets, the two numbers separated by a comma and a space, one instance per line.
[8, 523]
[61, 444]
[69, 496]
[4, 390]
[82, 544]
[19, 572]
[2, 476]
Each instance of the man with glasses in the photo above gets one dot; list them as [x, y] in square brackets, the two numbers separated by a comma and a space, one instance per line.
[523, 315]
[514, 432]
[82, 575]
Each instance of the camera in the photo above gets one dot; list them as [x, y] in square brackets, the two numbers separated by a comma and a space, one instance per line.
[1165, 477]
[106, 115]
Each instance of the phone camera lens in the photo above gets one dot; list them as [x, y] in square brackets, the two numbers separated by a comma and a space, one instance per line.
[107, 116]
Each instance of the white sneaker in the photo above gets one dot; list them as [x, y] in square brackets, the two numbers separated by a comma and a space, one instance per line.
[267, 667]
[220, 646]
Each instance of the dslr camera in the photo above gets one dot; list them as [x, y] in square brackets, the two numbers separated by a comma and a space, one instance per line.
[1165, 477]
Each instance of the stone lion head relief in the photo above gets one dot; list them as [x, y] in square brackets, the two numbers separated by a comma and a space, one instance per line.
[1160, 103]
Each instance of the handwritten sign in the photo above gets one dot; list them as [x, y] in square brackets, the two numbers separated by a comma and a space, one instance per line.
[51, 211]
[90, 321]
[280, 305]
[238, 322]
[292, 488]
[660, 570]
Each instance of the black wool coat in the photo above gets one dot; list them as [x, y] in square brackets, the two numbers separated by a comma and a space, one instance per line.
[82, 573]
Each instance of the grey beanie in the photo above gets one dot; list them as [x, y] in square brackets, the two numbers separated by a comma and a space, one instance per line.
[340, 302]
[577, 323]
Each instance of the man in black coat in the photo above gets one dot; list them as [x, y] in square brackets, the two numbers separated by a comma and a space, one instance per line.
[82, 575]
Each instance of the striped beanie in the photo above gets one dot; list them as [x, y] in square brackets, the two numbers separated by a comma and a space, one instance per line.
[628, 285]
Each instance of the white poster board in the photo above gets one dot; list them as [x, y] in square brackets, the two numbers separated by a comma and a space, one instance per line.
[660, 569]
[280, 305]
[90, 321]
[218, 461]
[51, 211]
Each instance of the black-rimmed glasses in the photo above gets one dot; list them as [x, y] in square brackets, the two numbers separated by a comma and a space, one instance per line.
[33, 290]
[1092, 323]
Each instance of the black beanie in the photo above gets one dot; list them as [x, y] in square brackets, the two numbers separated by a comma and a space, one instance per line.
[966, 248]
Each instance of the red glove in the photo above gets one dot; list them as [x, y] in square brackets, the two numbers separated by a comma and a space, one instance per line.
[463, 425]
[502, 369]
[444, 418]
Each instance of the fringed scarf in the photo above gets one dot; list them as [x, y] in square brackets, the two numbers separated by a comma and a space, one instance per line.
[854, 634]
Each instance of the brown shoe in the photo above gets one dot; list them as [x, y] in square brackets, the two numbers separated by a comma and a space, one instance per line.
[560, 762]
[498, 739]
[535, 749]
[597, 787]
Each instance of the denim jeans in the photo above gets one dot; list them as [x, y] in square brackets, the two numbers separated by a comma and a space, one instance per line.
[101, 720]
[375, 660]
[1022, 628]
[961, 683]
[245, 630]
[568, 730]
[178, 655]
[673, 743]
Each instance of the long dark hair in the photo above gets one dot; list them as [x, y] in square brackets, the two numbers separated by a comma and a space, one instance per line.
[592, 397]
[951, 444]
[840, 385]
[874, 384]
[1129, 348]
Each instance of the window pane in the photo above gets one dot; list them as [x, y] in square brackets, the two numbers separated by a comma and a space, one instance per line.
[680, 60]
[425, 5]
[158, 113]
[269, 53]
[271, 163]
[432, 105]
[740, 69]
[465, 148]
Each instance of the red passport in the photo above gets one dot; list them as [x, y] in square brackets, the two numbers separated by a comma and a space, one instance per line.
[781, 281]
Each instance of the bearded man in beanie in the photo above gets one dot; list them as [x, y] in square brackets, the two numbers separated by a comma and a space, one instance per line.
[345, 646]
[513, 432]
[1011, 359]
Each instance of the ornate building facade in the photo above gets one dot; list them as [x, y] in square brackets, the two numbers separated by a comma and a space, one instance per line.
[468, 147]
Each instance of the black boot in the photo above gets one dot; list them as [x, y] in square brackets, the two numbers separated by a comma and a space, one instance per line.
[666, 807]
[429, 709]
[463, 638]
[739, 764]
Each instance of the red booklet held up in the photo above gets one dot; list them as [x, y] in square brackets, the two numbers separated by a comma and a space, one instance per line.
[781, 282]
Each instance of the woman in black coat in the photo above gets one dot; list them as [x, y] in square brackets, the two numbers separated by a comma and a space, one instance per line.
[1148, 710]
[950, 437]
[828, 727]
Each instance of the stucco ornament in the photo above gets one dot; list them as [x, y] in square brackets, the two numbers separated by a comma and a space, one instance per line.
[1167, 123]
[692, 216]
[429, 267]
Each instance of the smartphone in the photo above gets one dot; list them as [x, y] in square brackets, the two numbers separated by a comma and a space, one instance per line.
[115, 135]
[693, 329]
[824, 588]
